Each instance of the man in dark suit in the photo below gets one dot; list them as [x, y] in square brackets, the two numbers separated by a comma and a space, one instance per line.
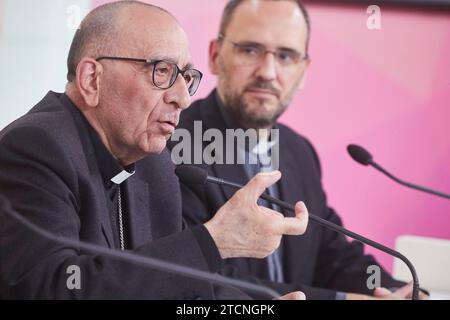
[89, 164]
[260, 58]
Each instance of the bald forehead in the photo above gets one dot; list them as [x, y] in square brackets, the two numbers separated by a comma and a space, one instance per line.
[148, 16]
[152, 33]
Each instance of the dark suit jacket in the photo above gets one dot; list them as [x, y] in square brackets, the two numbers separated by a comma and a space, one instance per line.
[49, 173]
[321, 258]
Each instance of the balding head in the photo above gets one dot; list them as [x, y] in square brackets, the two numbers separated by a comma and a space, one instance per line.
[117, 94]
[102, 30]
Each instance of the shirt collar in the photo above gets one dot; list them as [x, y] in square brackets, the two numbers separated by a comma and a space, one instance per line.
[110, 170]
[124, 174]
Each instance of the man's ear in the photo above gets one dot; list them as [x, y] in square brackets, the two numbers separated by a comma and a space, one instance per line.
[214, 46]
[88, 80]
[305, 72]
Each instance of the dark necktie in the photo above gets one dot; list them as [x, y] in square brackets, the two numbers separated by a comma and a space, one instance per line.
[274, 260]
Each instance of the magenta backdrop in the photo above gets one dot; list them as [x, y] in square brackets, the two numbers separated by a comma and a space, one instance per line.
[388, 90]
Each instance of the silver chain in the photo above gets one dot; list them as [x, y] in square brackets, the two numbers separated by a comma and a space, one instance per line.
[121, 237]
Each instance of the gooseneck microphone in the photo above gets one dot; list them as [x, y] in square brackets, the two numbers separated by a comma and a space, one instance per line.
[149, 262]
[193, 175]
[362, 156]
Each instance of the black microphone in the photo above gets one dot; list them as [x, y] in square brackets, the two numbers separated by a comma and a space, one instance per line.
[193, 175]
[362, 156]
[149, 262]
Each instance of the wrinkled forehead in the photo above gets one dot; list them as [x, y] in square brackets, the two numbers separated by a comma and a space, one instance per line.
[156, 36]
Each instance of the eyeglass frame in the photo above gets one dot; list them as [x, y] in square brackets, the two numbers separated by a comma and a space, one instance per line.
[154, 62]
[304, 57]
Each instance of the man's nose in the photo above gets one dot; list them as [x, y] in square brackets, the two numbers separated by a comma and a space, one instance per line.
[178, 94]
[267, 68]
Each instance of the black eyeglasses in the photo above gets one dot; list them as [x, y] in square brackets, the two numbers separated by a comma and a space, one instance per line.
[252, 53]
[164, 73]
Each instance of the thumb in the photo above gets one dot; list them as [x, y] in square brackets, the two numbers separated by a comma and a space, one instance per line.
[301, 212]
[295, 226]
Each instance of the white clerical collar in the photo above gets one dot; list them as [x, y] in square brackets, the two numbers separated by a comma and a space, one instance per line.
[122, 176]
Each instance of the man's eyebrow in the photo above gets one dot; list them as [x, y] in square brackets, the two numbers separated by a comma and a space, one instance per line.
[288, 49]
[189, 65]
[249, 43]
[257, 44]
[165, 58]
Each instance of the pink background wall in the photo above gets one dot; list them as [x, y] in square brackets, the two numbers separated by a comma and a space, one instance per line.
[388, 90]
